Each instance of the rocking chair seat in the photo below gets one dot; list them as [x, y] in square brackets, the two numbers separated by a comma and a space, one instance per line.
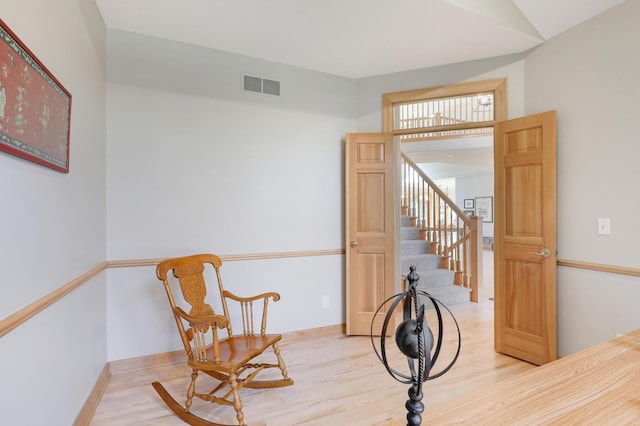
[237, 351]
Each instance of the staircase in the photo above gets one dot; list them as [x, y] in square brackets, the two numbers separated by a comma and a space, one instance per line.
[434, 279]
[438, 239]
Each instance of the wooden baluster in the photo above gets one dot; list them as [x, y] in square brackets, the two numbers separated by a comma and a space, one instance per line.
[432, 217]
[458, 261]
[422, 214]
[447, 236]
[416, 185]
[440, 234]
[406, 185]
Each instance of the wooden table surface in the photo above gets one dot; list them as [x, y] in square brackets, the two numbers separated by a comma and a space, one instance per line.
[597, 386]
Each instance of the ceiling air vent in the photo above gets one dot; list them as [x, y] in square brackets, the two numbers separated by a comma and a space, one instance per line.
[259, 85]
[252, 84]
[271, 87]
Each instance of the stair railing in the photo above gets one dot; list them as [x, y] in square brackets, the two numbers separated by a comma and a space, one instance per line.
[454, 235]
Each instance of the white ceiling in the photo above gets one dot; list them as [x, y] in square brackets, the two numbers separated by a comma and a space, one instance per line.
[360, 38]
[355, 38]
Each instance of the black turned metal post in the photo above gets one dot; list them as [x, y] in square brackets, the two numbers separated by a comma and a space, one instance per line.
[404, 339]
[415, 340]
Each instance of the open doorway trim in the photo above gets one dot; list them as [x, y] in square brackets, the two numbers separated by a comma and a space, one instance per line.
[497, 86]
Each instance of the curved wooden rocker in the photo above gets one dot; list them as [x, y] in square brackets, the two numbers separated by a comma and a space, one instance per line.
[230, 359]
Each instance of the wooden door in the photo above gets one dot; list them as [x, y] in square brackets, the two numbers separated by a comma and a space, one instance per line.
[370, 160]
[525, 238]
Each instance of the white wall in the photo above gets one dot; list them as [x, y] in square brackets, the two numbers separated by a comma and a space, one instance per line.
[52, 227]
[140, 322]
[371, 89]
[589, 75]
[197, 164]
[472, 187]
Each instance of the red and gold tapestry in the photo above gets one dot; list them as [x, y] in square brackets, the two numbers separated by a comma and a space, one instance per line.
[35, 110]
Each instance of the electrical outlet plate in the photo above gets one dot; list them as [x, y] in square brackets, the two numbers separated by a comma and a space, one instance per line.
[604, 226]
[325, 302]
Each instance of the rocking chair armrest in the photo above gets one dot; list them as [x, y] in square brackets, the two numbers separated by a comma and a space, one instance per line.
[275, 296]
[219, 321]
[246, 308]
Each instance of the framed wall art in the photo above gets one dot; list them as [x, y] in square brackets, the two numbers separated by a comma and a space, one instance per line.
[484, 208]
[35, 109]
[468, 203]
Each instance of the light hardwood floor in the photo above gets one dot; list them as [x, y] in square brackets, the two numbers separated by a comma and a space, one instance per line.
[338, 381]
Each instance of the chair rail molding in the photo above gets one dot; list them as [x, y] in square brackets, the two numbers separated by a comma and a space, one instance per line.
[19, 317]
[600, 267]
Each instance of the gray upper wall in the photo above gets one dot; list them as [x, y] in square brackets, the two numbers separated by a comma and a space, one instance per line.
[371, 89]
[145, 61]
[589, 75]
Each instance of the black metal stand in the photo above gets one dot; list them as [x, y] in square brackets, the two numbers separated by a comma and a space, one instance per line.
[415, 407]
[415, 340]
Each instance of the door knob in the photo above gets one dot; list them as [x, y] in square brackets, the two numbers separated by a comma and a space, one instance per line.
[354, 243]
[545, 252]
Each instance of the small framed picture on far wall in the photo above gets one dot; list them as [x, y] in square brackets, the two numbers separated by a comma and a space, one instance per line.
[484, 208]
[469, 203]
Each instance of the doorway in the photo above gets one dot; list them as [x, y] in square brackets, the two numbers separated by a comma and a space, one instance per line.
[448, 130]
[525, 206]
[463, 168]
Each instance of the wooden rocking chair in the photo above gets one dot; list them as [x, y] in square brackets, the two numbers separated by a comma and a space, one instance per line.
[228, 359]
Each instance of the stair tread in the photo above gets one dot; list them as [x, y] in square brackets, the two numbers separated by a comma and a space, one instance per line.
[437, 277]
[419, 255]
[434, 280]
[449, 295]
